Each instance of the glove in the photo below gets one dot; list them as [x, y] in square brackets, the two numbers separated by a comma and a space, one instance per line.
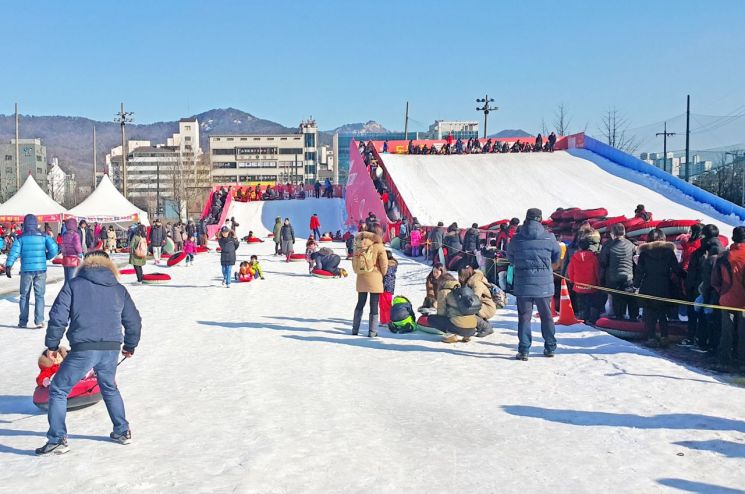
[7, 272]
[708, 311]
[699, 300]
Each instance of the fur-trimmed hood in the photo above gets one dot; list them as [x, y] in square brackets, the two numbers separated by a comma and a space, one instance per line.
[366, 239]
[659, 244]
[99, 270]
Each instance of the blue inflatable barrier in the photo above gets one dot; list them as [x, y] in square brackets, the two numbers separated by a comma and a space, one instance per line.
[626, 160]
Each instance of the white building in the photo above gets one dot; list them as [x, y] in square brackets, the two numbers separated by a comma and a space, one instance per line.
[61, 185]
[459, 128]
[172, 171]
[266, 159]
[675, 165]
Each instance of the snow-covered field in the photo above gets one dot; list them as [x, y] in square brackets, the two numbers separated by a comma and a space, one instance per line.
[260, 388]
[483, 188]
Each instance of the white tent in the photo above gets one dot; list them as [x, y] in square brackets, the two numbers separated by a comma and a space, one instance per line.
[107, 205]
[31, 199]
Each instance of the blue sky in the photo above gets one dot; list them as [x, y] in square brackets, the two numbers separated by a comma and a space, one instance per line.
[351, 61]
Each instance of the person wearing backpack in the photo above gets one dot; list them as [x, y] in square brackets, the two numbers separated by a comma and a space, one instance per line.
[370, 263]
[456, 323]
[138, 251]
[476, 281]
[533, 252]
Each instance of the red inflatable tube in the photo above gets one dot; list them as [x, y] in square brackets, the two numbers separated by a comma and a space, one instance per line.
[320, 273]
[253, 240]
[124, 250]
[587, 214]
[99, 245]
[156, 278]
[271, 235]
[676, 227]
[642, 228]
[297, 257]
[165, 256]
[567, 214]
[176, 258]
[632, 222]
[127, 271]
[628, 329]
[57, 260]
[494, 225]
[218, 249]
[603, 225]
[202, 249]
[422, 321]
[325, 239]
[84, 394]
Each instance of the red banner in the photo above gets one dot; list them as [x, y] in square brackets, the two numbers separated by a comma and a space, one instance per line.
[362, 197]
[43, 218]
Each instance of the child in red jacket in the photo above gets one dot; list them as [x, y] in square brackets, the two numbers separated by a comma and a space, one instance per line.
[584, 268]
[48, 367]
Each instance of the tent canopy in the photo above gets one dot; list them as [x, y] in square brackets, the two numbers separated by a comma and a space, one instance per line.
[31, 199]
[107, 205]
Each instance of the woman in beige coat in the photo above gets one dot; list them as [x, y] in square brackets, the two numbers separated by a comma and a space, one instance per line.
[370, 263]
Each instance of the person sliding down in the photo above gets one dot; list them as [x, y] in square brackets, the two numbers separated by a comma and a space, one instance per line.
[255, 268]
[641, 212]
[326, 260]
[244, 275]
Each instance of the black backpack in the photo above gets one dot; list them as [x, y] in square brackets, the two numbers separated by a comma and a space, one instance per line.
[468, 303]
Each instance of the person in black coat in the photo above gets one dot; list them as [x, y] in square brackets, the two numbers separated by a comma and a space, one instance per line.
[287, 238]
[656, 270]
[435, 239]
[617, 271]
[228, 245]
[86, 236]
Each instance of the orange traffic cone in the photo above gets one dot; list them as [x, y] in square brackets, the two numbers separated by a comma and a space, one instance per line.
[566, 315]
[554, 314]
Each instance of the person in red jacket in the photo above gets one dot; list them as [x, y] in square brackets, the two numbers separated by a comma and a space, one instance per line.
[584, 268]
[315, 226]
[49, 366]
[728, 279]
[689, 243]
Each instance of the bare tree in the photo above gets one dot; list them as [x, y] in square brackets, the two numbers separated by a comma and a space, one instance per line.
[562, 120]
[614, 127]
[544, 129]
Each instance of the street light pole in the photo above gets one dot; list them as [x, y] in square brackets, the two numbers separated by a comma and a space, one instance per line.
[664, 134]
[486, 108]
[123, 118]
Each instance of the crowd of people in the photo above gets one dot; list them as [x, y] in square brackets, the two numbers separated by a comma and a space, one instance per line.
[635, 280]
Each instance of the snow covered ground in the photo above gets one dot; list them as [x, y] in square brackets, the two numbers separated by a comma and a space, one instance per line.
[484, 188]
[258, 216]
[260, 388]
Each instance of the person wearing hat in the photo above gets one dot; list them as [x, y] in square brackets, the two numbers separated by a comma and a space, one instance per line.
[34, 250]
[228, 245]
[94, 331]
[641, 212]
[533, 252]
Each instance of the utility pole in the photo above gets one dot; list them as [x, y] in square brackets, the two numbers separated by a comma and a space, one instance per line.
[688, 138]
[406, 122]
[123, 118]
[664, 135]
[94, 158]
[486, 109]
[18, 154]
[737, 156]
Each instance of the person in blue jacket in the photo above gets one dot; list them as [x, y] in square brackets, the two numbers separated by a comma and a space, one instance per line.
[533, 252]
[94, 331]
[34, 249]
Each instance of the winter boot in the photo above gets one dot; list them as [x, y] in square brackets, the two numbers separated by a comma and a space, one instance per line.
[356, 322]
[372, 331]
[483, 328]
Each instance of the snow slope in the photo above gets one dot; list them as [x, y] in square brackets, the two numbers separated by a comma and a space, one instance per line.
[485, 188]
[259, 215]
[261, 389]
